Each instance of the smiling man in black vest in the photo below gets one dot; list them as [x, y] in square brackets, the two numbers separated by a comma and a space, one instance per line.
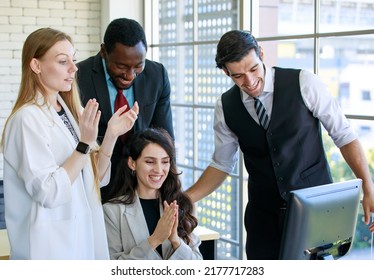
[273, 115]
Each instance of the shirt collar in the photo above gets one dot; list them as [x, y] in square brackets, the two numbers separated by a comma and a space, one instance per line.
[107, 77]
[269, 79]
[268, 86]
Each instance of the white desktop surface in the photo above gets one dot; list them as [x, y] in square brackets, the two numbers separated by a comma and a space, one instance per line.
[4, 245]
[204, 234]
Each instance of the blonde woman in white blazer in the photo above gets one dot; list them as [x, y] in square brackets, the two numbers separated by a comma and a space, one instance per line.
[52, 164]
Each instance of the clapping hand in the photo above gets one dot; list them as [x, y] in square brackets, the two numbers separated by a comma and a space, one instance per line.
[121, 122]
[166, 226]
[173, 237]
[88, 122]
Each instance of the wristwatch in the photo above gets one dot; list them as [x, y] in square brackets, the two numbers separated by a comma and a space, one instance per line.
[82, 148]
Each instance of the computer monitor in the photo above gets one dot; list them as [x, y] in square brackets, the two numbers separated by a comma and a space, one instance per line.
[320, 221]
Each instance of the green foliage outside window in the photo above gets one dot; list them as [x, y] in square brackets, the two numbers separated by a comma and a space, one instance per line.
[340, 171]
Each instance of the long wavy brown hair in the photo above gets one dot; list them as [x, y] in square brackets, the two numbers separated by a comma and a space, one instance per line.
[125, 184]
[36, 46]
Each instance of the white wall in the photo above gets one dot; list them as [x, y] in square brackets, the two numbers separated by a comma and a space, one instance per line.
[79, 18]
[111, 9]
[84, 20]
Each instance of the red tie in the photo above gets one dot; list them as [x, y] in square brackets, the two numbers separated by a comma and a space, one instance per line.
[118, 103]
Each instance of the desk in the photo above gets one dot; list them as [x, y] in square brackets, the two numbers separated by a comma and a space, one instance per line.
[208, 239]
[4, 245]
[207, 248]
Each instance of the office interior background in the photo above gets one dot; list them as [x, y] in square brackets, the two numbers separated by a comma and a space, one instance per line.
[332, 38]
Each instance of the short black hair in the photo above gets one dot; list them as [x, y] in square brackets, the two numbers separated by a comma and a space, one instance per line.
[125, 31]
[234, 45]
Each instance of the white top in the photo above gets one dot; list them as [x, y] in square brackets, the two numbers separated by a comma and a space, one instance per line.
[317, 99]
[46, 216]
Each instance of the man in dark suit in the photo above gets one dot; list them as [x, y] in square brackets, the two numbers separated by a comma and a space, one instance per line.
[121, 68]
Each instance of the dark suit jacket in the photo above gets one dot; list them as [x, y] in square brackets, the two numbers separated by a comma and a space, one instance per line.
[151, 90]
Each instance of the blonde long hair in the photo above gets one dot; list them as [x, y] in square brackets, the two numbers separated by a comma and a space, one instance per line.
[36, 46]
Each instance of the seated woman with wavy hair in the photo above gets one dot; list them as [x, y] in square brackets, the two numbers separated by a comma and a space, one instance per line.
[147, 215]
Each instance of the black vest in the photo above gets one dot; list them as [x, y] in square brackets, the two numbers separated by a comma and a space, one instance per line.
[290, 154]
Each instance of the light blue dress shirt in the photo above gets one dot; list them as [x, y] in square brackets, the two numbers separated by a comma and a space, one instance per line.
[128, 93]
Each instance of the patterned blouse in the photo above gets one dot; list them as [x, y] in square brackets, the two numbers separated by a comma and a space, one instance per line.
[68, 124]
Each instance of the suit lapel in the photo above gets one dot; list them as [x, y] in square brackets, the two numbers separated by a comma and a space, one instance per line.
[100, 84]
[139, 90]
[57, 120]
[138, 226]
[136, 220]
[70, 116]
[87, 171]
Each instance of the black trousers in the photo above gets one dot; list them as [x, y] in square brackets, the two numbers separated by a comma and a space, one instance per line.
[264, 228]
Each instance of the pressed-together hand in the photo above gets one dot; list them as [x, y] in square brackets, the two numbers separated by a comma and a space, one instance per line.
[174, 238]
[165, 225]
[88, 122]
[121, 122]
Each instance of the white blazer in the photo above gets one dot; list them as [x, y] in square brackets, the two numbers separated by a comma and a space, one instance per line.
[46, 216]
[128, 234]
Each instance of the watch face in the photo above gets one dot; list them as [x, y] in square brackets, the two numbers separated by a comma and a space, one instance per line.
[83, 148]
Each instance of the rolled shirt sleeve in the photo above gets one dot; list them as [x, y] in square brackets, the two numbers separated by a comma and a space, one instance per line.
[226, 143]
[326, 108]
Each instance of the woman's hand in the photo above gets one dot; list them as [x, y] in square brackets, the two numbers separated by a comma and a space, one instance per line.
[121, 122]
[174, 238]
[118, 124]
[89, 121]
[164, 226]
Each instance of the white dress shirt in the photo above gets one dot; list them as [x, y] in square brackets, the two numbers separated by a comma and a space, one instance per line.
[317, 99]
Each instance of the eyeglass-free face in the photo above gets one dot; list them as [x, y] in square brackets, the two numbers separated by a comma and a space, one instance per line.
[124, 63]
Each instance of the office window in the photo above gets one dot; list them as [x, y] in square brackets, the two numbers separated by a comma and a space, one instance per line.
[184, 36]
[366, 96]
[339, 48]
[337, 44]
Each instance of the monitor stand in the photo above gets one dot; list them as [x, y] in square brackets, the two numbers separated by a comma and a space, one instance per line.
[325, 257]
[328, 251]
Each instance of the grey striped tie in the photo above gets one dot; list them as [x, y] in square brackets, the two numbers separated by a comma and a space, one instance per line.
[261, 113]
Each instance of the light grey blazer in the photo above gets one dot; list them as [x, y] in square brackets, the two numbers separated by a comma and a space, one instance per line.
[127, 234]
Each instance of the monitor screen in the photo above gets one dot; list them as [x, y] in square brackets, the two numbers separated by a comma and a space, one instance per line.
[320, 221]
